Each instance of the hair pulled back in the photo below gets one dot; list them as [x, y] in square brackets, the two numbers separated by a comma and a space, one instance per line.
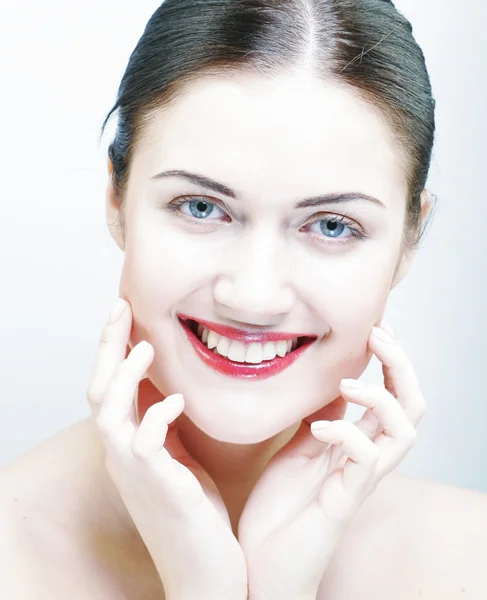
[367, 45]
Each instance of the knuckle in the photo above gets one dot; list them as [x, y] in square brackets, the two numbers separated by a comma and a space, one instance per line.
[418, 411]
[139, 451]
[106, 335]
[94, 397]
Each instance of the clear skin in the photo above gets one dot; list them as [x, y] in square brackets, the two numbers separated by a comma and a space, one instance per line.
[259, 261]
[300, 507]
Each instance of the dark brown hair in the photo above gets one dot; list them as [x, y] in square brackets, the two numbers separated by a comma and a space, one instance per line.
[367, 45]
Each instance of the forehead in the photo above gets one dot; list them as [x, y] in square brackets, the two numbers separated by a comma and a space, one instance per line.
[295, 134]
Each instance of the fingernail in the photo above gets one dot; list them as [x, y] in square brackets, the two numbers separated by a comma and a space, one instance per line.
[117, 310]
[352, 383]
[140, 349]
[174, 398]
[320, 424]
[382, 335]
[388, 328]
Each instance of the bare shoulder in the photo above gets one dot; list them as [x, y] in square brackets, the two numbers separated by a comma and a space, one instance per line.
[454, 542]
[31, 541]
[22, 552]
[444, 528]
[415, 539]
[14, 572]
[59, 537]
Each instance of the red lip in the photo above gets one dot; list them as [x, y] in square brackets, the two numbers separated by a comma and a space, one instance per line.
[246, 337]
[223, 365]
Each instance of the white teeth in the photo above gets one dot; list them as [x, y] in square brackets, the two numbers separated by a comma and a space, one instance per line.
[270, 351]
[213, 339]
[281, 348]
[254, 354]
[223, 345]
[237, 352]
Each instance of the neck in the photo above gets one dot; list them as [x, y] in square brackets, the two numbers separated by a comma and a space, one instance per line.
[235, 468]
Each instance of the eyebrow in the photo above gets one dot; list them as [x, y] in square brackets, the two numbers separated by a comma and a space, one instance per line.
[220, 188]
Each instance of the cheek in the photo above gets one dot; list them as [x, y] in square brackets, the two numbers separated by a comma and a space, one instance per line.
[350, 291]
[162, 268]
[357, 304]
[165, 264]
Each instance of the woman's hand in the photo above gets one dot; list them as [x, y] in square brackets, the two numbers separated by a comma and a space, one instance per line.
[310, 491]
[173, 502]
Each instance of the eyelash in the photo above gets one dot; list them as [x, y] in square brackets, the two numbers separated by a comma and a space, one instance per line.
[356, 233]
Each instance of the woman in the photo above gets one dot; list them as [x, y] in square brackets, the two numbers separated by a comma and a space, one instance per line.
[267, 188]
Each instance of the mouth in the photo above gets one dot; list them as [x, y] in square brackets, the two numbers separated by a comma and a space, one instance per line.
[244, 354]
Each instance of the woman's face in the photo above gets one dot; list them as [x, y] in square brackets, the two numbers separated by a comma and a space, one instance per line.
[263, 258]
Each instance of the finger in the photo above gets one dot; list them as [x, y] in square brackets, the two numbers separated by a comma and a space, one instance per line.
[117, 415]
[110, 353]
[363, 454]
[128, 350]
[397, 434]
[400, 377]
[386, 409]
[302, 447]
[369, 424]
[388, 328]
[151, 434]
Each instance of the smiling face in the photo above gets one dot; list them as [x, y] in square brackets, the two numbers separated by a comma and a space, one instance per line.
[256, 249]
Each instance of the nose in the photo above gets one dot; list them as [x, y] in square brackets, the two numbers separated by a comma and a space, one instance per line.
[253, 284]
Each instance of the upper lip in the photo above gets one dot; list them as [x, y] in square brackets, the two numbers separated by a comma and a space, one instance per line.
[249, 335]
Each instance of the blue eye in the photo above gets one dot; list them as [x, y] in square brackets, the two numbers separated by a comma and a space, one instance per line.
[333, 228]
[329, 228]
[200, 209]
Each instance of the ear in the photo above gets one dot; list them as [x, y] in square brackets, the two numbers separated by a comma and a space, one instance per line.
[407, 257]
[114, 214]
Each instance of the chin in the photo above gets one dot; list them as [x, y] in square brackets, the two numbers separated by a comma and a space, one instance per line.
[234, 431]
[239, 416]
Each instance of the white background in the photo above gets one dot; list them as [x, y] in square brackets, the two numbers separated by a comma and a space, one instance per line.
[60, 67]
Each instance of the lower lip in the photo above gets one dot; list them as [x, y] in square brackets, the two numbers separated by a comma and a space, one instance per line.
[223, 365]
